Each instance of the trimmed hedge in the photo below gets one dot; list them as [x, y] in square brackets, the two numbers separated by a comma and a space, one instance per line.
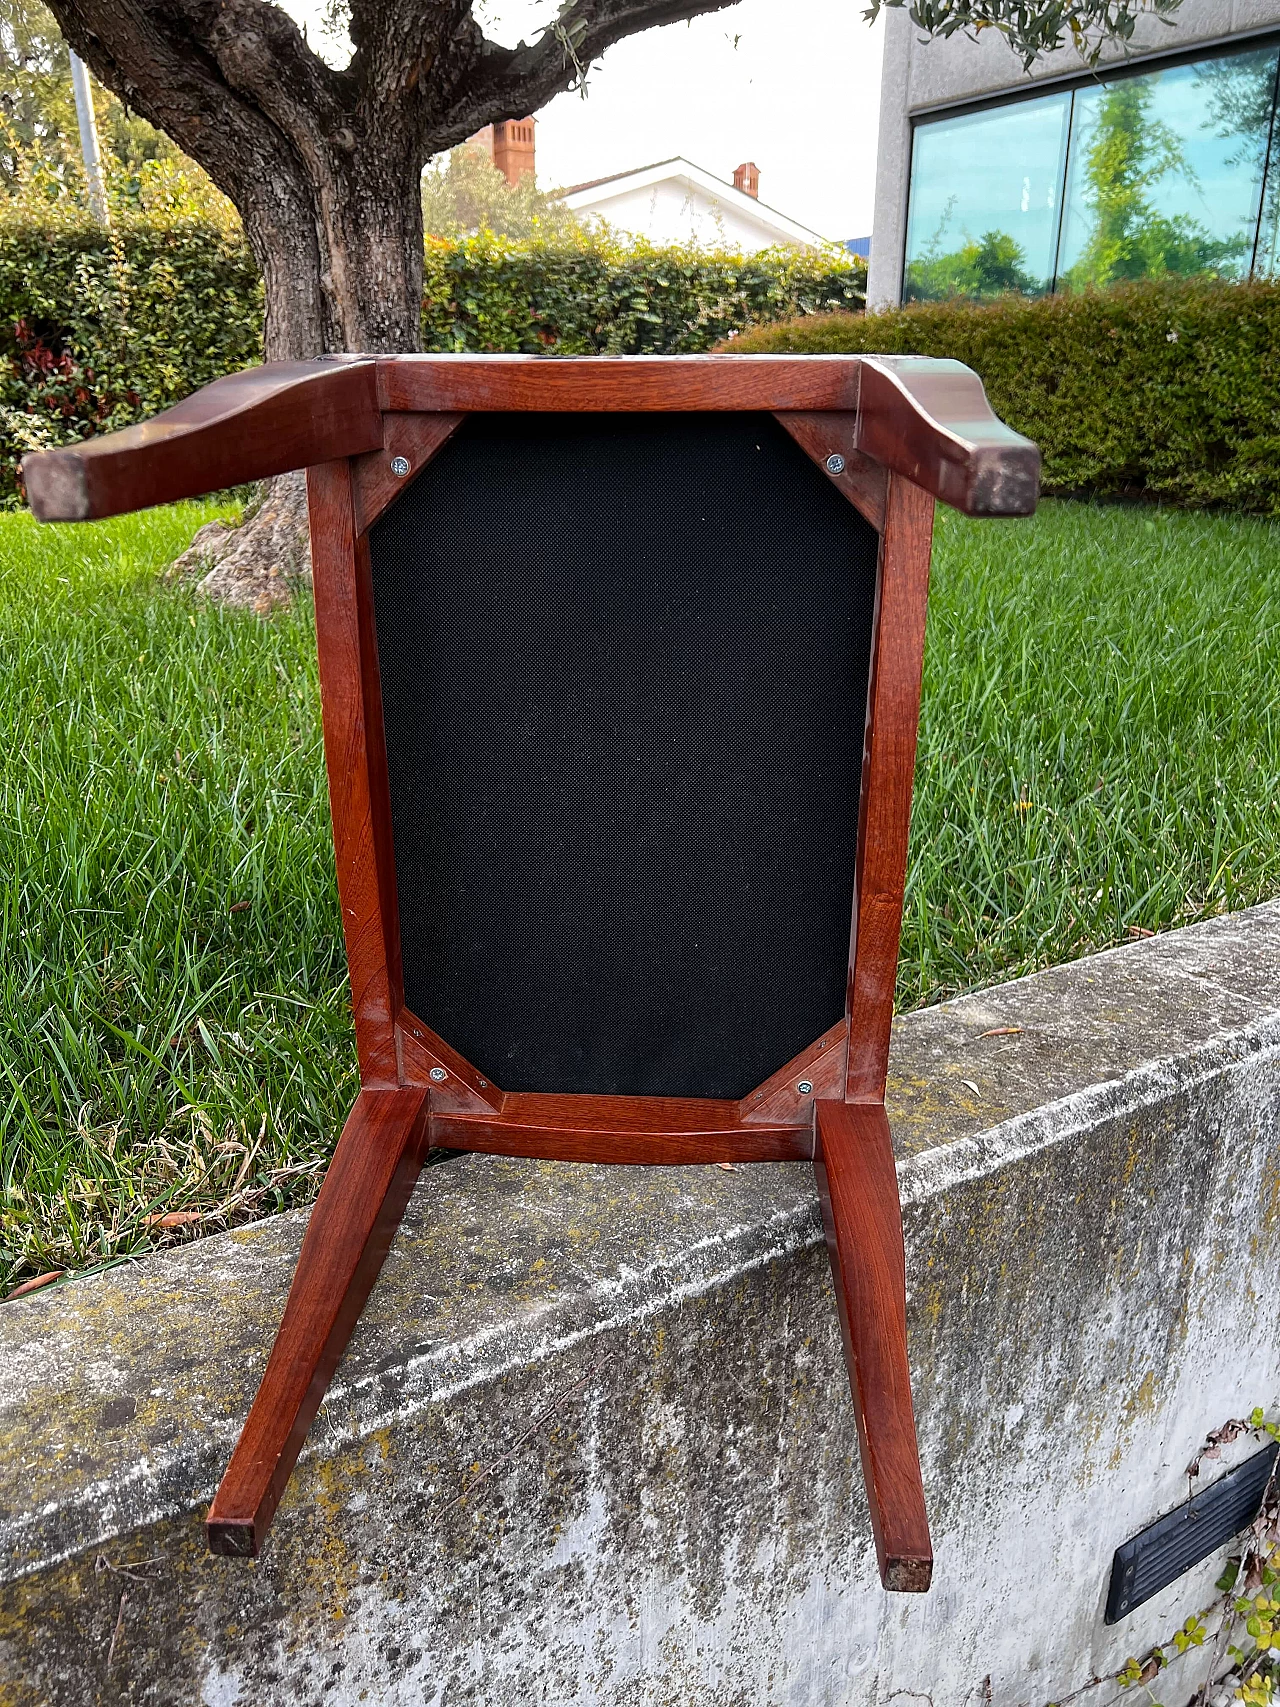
[586, 295]
[1165, 389]
[98, 329]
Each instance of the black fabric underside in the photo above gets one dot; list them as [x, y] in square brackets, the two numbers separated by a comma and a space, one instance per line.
[624, 674]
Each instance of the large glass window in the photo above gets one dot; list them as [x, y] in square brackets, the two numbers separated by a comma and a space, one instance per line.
[1166, 172]
[984, 205]
[1142, 175]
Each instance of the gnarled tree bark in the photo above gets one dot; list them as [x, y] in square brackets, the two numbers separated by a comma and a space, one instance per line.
[324, 165]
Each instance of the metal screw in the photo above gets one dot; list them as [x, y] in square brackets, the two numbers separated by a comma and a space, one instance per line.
[484, 1084]
[400, 466]
[835, 463]
[804, 1087]
[438, 1074]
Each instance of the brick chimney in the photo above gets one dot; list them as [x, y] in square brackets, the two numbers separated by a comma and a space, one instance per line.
[513, 149]
[510, 146]
[747, 178]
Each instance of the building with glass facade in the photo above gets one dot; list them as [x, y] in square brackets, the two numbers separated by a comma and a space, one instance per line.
[1167, 161]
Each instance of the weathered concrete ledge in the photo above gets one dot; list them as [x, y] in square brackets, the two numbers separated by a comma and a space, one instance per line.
[592, 1442]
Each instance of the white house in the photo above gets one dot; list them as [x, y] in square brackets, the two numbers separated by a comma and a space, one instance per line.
[675, 201]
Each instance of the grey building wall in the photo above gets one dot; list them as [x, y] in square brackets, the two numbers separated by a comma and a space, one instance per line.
[920, 75]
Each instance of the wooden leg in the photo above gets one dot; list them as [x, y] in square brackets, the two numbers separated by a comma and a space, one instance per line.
[858, 1185]
[370, 1179]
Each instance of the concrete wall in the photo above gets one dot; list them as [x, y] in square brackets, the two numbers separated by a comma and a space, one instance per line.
[920, 75]
[592, 1442]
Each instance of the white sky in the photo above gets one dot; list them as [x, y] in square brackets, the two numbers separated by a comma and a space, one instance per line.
[799, 94]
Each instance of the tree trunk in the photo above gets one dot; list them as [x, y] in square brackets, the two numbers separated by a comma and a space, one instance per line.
[341, 274]
[343, 266]
[324, 165]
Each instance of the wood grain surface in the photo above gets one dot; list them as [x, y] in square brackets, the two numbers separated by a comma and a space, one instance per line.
[654, 1130]
[247, 426]
[929, 419]
[926, 419]
[369, 1182]
[888, 773]
[780, 1100]
[822, 434]
[416, 439]
[633, 383]
[858, 1188]
[356, 759]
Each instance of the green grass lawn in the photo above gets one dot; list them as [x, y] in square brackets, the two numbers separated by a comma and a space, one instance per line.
[1100, 748]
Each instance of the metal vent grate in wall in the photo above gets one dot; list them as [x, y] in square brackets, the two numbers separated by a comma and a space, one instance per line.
[1159, 1556]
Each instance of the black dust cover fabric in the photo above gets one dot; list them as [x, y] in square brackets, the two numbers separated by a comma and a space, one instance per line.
[624, 674]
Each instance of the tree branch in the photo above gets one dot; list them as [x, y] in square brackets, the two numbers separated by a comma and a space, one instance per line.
[164, 64]
[158, 58]
[503, 82]
[262, 53]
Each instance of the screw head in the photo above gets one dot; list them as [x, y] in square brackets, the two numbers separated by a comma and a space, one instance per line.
[835, 463]
[400, 466]
[805, 1087]
[439, 1074]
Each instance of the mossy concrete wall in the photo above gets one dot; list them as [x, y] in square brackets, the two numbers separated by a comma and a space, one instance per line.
[592, 1442]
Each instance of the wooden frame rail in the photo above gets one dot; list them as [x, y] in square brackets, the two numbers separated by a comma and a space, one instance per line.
[892, 433]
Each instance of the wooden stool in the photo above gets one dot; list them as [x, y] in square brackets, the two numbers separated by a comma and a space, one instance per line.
[620, 669]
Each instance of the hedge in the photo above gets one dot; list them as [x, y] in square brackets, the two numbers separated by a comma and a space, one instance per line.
[98, 329]
[588, 295]
[102, 329]
[1164, 389]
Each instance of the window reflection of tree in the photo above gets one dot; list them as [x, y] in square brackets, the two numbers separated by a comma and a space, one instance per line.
[980, 269]
[1127, 153]
[1239, 93]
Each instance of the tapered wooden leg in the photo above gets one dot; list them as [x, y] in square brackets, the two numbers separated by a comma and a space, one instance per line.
[369, 1182]
[858, 1185]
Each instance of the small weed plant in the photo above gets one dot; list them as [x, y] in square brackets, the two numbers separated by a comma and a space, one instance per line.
[1243, 1624]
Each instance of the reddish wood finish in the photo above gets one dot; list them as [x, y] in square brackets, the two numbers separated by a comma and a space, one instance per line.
[779, 1100]
[365, 1191]
[669, 1130]
[908, 429]
[858, 1186]
[356, 758]
[926, 419]
[416, 438]
[888, 769]
[929, 420]
[633, 383]
[423, 1053]
[247, 426]
[864, 482]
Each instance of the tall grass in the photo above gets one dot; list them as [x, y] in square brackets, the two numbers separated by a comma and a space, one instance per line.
[1100, 751]
[1100, 737]
[174, 1027]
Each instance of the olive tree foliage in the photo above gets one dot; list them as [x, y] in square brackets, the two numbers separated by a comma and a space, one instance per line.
[324, 162]
[1035, 27]
[37, 110]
